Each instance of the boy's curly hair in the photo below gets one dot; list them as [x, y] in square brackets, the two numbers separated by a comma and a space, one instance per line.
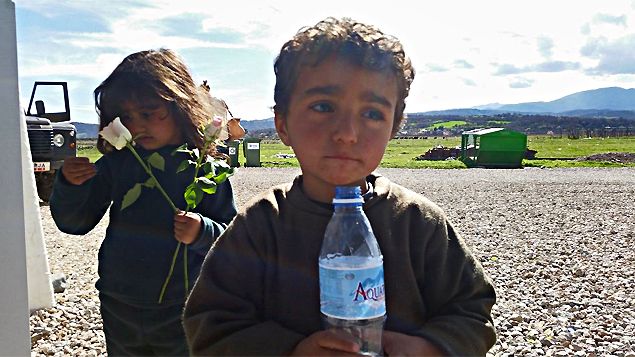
[359, 43]
[153, 75]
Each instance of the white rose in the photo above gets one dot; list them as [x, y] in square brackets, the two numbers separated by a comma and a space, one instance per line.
[116, 134]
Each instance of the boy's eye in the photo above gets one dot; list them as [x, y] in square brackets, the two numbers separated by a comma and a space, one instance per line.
[322, 107]
[374, 114]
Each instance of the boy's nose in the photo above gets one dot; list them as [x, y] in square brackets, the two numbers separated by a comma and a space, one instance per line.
[345, 129]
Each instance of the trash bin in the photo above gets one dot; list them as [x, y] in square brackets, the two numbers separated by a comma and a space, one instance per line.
[233, 146]
[251, 149]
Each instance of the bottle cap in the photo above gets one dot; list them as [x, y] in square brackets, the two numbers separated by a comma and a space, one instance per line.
[348, 195]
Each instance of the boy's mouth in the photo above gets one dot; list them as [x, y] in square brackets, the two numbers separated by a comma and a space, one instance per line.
[340, 157]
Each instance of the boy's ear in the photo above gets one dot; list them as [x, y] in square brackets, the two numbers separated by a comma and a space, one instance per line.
[281, 127]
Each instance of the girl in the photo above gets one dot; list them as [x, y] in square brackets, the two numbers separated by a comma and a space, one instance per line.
[155, 96]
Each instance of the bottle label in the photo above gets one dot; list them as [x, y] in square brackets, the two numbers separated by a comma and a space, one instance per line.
[352, 293]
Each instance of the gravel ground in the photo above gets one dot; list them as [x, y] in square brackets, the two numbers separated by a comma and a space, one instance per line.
[558, 244]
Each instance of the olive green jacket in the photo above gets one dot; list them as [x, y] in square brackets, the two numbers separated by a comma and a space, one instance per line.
[258, 291]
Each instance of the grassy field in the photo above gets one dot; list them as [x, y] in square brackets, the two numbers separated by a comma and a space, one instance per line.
[549, 147]
[86, 147]
[447, 124]
[400, 153]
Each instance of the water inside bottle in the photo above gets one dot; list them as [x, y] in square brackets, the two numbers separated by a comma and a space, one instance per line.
[367, 333]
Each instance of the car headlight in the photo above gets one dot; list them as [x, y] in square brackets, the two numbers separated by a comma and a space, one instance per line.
[58, 140]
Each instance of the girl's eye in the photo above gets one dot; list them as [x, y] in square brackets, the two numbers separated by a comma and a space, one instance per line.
[322, 107]
[374, 114]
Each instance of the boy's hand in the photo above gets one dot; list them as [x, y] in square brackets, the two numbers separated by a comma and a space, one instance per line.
[399, 344]
[327, 343]
[187, 226]
[78, 170]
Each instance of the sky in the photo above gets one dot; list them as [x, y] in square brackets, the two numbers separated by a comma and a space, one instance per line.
[466, 53]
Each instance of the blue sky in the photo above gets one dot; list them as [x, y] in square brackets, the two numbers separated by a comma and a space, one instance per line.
[466, 53]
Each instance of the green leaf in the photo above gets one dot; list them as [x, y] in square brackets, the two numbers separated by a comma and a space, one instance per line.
[204, 181]
[206, 185]
[220, 178]
[156, 160]
[195, 153]
[193, 195]
[199, 195]
[131, 196]
[208, 168]
[182, 148]
[223, 164]
[209, 190]
[190, 195]
[150, 183]
[183, 166]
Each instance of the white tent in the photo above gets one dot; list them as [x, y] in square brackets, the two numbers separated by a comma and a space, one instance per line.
[24, 272]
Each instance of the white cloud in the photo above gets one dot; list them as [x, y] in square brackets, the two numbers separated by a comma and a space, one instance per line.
[469, 82]
[432, 67]
[614, 57]
[520, 82]
[548, 66]
[545, 46]
[610, 19]
[463, 64]
[139, 39]
[466, 53]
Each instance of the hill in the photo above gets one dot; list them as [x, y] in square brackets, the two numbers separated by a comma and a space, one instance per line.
[90, 131]
[614, 105]
[254, 125]
[601, 102]
[86, 130]
[611, 98]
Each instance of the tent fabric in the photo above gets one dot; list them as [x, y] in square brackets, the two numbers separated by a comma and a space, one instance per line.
[38, 274]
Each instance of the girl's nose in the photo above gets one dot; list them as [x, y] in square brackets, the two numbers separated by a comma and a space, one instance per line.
[134, 124]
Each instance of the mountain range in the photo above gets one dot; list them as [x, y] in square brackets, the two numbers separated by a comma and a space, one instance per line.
[607, 102]
[601, 102]
[612, 98]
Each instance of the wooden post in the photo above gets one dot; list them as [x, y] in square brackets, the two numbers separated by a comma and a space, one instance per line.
[14, 310]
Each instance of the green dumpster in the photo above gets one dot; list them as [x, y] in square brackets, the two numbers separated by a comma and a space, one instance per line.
[233, 147]
[493, 148]
[251, 149]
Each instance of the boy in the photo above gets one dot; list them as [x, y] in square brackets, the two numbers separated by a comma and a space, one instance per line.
[339, 97]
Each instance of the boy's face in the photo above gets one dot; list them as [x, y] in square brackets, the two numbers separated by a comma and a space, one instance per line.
[338, 122]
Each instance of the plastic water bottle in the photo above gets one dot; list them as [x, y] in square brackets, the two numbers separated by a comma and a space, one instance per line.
[351, 267]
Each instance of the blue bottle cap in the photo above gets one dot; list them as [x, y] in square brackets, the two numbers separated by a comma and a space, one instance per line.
[348, 195]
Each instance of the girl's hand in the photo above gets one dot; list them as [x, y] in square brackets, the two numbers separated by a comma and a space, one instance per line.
[327, 343]
[78, 170]
[399, 344]
[187, 226]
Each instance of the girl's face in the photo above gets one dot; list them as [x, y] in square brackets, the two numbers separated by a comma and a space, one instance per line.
[151, 123]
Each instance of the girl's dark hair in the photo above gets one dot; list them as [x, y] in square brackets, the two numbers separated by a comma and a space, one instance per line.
[153, 75]
[361, 44]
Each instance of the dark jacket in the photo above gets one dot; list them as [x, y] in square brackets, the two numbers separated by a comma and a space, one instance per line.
[137, 251]
[258, 292]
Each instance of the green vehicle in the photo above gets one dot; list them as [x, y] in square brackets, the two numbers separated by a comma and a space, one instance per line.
[52, 137]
